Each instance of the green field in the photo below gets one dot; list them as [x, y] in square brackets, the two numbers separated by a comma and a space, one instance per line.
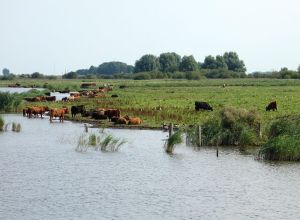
[176, 98]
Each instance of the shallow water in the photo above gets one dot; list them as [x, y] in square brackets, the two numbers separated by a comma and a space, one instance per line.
[17, 90]
[58, 95]
[43, 177]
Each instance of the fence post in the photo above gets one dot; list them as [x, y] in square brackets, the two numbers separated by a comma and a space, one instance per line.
[86, 128]
[200, 135]
[170, 129]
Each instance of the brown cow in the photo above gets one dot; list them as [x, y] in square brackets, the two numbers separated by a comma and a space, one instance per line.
[58, 112]
[122, 121]
[133, 121]
[36, 110]
[50, 98]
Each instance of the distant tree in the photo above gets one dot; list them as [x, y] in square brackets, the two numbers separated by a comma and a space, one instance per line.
[114, 67]
[221, 63]
[37, 75]
[146, 63]
[70, 75]
[92, 70]
[169, 62]
[188, 63]
[5, 72]
[233, 62]
[298, 69]
[209, 63]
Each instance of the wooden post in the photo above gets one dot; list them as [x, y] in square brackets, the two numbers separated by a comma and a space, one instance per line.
[86, 128]
[259, 130]
[217, 153]
[200, 136]
[170, 130]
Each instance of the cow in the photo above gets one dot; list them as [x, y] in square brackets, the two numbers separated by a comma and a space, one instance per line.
[202, 105]
[25, 112]
[133, 121]
[36, 110]
[50, 98]
[77, 109]
[271, 106]
[73, 98]
[30, 99]
[114, 96]
[58, 112]
[98, 115]
[121, 121]
[112, 112]
[64, 99]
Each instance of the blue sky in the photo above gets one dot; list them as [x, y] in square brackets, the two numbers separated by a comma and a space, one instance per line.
[54, 36]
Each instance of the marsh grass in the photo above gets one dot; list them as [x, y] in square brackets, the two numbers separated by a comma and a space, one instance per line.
[99, 142]
[173, 140]
[16, 127]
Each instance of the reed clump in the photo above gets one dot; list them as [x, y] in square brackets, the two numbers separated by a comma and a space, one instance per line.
[174, 139]
[100, 141]
[16, 127]
[232, 127]
[284, 140]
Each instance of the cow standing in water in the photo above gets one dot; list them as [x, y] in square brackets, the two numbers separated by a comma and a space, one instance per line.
[202, 105]
[55, 112]
[271, 106]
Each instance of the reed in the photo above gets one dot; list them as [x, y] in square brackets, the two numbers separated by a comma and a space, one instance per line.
[174, 139]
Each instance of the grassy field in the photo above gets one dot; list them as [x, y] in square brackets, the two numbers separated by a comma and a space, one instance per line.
[176, 98]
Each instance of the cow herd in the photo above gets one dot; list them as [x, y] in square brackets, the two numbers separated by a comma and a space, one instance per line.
[205, 106]
[113, 115]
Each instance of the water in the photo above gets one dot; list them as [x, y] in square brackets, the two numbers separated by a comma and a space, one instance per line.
[42, 177]
[17, 89]
[58, 95]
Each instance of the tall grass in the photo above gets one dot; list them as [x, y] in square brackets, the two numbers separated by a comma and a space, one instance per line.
[100, 141]
[174, 139]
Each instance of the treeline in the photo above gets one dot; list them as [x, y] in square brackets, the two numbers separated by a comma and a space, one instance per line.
[167, 65]
[284, 73]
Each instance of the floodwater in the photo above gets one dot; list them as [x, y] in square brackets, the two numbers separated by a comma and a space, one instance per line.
[43, 177]
[17, 89]
[59, 96]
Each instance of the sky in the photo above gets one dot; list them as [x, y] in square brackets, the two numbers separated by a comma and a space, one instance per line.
[55, 36]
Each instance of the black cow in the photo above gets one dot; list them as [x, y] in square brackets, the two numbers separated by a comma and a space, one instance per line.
[271, 106]
[99, 115]
[202, 105]
[77, 109]
[114, 96]
[50, 98]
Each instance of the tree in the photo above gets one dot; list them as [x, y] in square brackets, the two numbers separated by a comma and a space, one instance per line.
[233, 62]
[209, 63]
[5, 72]
[169, 62]
[220, 62]
[37, 75]
[188, 63]
[110, 68]
[146, 63]
[298, 69]
[70, 75]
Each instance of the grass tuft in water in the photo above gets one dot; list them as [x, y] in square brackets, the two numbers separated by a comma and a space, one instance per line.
[2, 122]
[174, 139]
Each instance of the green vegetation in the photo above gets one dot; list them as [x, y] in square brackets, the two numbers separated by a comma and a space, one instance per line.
[16, 127]
[100, 141]
[174, 139]
[284, 140]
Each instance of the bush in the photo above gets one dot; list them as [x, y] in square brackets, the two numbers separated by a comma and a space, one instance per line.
[284, 140]
[235, 127]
